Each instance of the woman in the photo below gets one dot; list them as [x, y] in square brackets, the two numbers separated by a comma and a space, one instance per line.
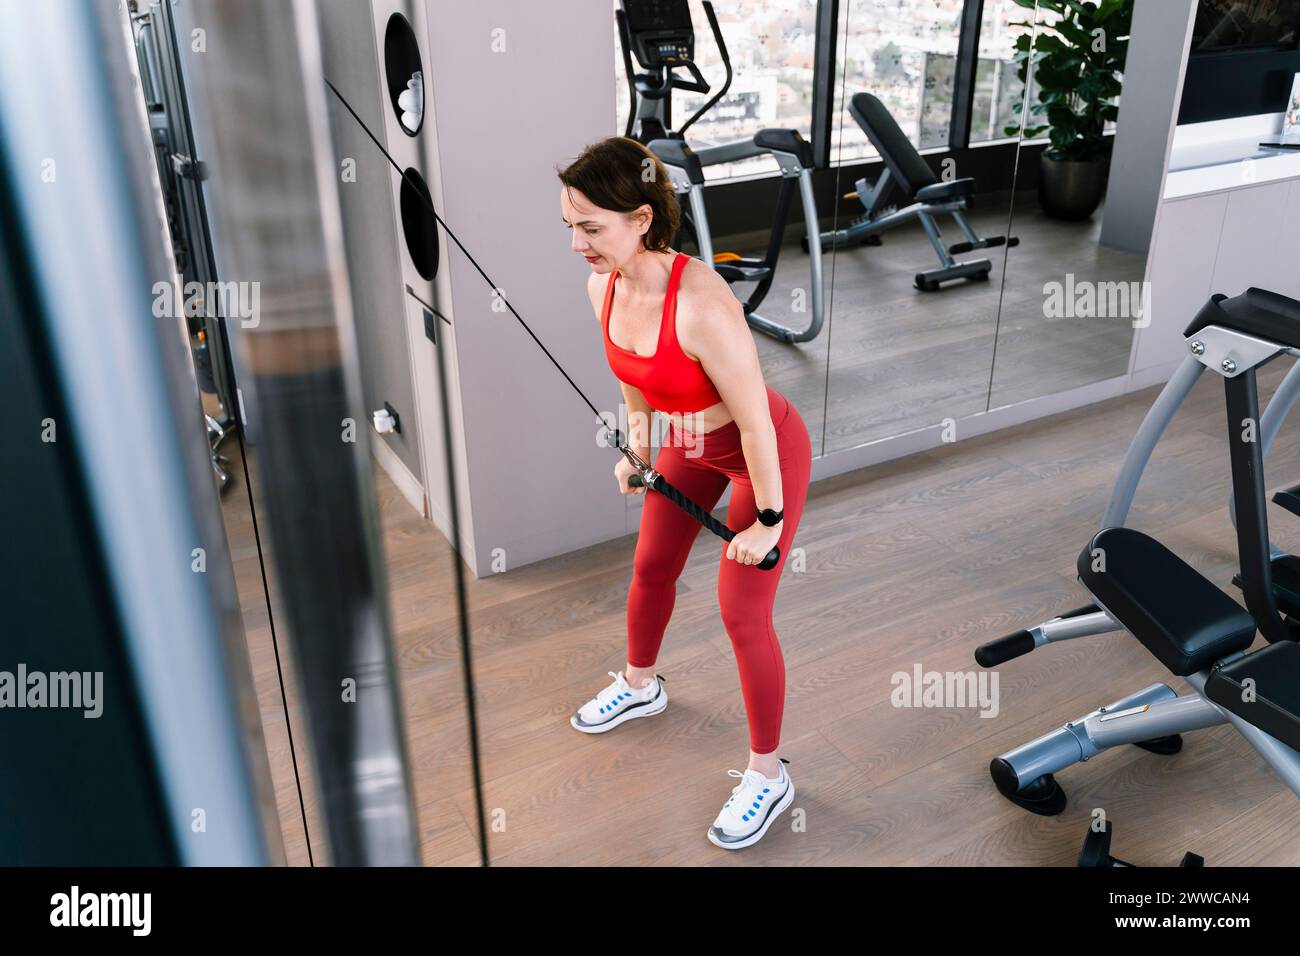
[677, 339]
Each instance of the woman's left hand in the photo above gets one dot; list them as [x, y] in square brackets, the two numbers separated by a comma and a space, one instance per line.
[752, 545]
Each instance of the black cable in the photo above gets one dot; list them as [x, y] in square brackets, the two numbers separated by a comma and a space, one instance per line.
[655, 481]
[473, 261]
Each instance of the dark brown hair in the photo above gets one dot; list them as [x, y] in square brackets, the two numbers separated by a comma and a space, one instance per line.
[615, 175]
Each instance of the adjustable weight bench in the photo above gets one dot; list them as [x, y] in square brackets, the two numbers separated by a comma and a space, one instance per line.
[930, 196]
[1187, 623]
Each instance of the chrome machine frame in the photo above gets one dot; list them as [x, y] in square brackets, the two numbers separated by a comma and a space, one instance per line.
[1152, 717]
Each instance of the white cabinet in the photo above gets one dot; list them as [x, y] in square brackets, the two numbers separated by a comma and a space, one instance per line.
[1180, 272]
[1226, 242]
[1250, 240]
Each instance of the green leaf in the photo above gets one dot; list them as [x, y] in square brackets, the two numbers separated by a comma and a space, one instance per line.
[1108, 86]
[1066, 61]
[1084, 14]
[1079, 37]
[1109, 8]
[1089, 88]
[1062, 139]
[1061, 116]
[1049, 79]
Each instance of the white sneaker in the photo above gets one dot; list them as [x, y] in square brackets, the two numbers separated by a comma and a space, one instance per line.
[755, 802]
[618, 703]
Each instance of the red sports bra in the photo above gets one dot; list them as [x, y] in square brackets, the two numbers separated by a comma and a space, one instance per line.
[670, 381]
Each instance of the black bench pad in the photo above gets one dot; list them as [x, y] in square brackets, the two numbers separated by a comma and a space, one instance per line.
[1275, 708]
[1177, 614]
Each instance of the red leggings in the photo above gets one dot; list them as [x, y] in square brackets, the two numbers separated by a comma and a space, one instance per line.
[700, 468]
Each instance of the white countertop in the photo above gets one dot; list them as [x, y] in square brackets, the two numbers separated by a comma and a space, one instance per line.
[1209, 157]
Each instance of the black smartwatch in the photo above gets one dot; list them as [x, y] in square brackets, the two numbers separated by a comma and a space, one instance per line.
[771, 518]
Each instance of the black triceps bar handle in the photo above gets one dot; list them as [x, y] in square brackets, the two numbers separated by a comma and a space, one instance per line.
[661, 485]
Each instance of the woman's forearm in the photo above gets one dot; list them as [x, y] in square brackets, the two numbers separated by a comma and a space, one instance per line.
[640, 416]
[763, 463]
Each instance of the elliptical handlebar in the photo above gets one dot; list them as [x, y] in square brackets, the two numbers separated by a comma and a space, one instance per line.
[726, 61]
[626, 41]
[697, 85]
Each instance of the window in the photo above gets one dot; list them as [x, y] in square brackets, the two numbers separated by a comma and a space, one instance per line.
[771, 44]
[997, 88]
[905, 52]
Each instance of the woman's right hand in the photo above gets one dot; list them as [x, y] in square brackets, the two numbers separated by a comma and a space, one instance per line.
[624, 470]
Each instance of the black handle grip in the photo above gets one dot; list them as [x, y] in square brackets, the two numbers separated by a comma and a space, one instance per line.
[706, 519]
[1004, 649]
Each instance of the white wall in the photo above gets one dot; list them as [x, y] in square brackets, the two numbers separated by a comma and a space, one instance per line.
[348, 58]
[517, 90]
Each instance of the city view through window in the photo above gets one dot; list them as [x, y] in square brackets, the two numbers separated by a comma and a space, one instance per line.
[903, 51]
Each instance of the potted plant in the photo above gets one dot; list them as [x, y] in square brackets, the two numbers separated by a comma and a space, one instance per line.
[1077, 62]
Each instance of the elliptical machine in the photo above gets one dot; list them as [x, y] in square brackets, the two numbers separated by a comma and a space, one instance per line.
[660, 34]
[1198, 632]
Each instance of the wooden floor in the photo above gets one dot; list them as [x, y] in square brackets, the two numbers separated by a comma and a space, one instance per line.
[910, 562]
[891, 359]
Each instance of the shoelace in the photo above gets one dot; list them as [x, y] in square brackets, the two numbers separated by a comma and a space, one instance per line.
[749, 796]
[605, 699]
